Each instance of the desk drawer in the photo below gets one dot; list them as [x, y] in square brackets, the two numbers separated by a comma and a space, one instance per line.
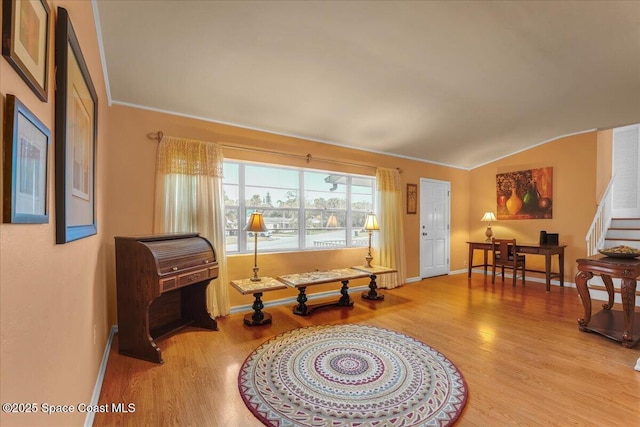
[193, 277]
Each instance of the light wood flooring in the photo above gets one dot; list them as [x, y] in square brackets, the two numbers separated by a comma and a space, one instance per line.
[522, 356]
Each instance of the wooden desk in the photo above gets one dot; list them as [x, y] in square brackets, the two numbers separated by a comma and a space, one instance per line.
[529, 249]
[608, 322]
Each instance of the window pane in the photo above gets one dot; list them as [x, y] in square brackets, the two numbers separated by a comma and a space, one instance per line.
[271, 177]
[320, 231]
[282, 231]
[231, 173]
[231, 229]
[325, 200]
[358, 219]
[362, 202]
[231, 195]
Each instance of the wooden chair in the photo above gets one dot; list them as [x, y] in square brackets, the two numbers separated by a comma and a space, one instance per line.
[504, 256]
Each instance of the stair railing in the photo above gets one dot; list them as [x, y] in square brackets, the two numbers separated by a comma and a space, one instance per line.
[601, 222]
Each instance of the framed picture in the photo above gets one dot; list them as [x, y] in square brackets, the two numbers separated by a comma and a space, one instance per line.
[26, 157]
[76, 111]
[25, 41]
[525, 194]
[412, 198]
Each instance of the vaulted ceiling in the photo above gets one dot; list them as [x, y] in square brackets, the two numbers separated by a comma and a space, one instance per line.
[459, 83]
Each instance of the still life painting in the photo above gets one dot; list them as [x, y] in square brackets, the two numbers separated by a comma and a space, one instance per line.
[525, 194]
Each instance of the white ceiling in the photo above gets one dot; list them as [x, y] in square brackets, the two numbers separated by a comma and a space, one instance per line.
[458, 83]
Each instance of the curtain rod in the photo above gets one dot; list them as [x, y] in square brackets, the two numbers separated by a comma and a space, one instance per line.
[158, 137]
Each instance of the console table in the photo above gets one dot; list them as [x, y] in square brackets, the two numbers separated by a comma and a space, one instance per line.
[609, 322]
[373, 272]
[257, 288]
[302, 280]
[528, 249]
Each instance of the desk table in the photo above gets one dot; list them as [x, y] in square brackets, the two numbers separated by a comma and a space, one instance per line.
[608, 322]
[529, 249]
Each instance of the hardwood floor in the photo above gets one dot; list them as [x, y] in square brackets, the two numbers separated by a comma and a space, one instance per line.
[522, 356]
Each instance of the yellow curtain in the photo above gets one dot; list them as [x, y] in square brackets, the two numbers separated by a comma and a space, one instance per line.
[389, 243]
[189, 198]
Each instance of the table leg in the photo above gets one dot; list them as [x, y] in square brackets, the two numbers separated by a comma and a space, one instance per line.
[372, 294]
[547, 271]
[258, 317]
[301, 308]
[581, 284]
[608, 284]
[470, 261]
[486, 260]
[561, 266]
[628, 293]
[345, 300]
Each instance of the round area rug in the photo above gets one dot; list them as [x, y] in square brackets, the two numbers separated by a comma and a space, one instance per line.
[350, 375]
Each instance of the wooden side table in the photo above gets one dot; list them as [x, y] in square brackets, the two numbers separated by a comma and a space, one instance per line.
[617, 325]
[373, 272]
[247, 286]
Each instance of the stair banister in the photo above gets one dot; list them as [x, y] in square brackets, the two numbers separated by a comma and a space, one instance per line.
[601, 221]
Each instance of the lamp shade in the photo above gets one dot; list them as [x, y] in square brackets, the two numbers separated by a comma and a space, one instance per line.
[332, 221]
[488, 217]
[256, 223]
[371, 223]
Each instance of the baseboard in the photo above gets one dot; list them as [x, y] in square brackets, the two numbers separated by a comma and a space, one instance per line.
[554, 282]
[95, 397]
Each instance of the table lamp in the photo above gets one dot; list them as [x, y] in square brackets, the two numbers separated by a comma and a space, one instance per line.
[370, 224]
[255, 225]
[488, 217]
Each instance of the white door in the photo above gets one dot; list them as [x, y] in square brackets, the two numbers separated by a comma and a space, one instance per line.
[434, 227]
[626, 170]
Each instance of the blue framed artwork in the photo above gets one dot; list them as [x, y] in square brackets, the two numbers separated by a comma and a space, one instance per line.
[26, 160]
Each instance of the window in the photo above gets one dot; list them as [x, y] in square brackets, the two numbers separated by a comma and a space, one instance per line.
[302, 208]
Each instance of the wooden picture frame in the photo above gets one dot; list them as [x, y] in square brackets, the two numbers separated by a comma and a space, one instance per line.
[26, 160]
[412, 198]
[25, 41]
[76, 111]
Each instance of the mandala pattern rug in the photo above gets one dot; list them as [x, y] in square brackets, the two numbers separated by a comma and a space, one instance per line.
[350, 375]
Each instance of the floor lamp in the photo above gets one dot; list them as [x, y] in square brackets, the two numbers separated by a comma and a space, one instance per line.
[256, 226]
[370, 224]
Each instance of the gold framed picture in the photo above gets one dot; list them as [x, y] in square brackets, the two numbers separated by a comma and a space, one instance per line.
[412, 198]
[25, 41]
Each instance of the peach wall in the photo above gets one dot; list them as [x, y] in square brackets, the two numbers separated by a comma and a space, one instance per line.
[52, 297]
[130, 196]
[574, 163]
